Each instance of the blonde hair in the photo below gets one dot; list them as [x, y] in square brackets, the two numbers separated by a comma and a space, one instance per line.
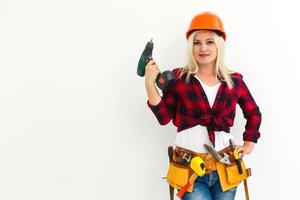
[191, 66]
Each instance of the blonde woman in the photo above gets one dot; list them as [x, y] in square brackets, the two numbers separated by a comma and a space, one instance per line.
[203, 100]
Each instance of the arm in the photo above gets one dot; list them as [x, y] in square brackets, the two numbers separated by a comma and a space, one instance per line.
[151, 74]
[252, 115]
[162, 107]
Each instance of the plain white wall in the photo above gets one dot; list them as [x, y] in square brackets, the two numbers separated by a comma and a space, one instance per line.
[73, 117]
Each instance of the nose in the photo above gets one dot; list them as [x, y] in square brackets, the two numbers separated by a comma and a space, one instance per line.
[203, 48]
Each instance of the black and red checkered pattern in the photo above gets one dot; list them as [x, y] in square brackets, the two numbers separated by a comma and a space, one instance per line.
[186, 104]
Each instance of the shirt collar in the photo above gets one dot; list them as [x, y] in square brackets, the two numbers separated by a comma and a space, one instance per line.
[218, 77]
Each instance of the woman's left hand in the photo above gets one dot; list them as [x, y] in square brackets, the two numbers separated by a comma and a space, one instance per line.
[247, 148]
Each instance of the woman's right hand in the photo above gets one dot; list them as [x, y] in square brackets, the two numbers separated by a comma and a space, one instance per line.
[151, 73]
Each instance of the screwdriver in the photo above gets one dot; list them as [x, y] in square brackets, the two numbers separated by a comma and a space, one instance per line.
[236, 156]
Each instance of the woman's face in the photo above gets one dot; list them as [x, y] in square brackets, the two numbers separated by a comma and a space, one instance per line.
[204, 48]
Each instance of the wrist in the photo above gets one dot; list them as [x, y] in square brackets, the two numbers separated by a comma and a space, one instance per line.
[248, 146]
[249, 143]
[150, 85]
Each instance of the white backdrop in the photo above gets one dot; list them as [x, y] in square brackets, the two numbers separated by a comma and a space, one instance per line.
[73, 117]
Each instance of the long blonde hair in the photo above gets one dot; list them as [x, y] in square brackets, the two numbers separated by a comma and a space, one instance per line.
[191, 66]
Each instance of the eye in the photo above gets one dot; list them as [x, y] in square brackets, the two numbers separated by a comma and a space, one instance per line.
[210, 42]
[196, 43]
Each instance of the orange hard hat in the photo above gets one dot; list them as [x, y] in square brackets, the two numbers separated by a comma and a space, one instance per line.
[206, 21]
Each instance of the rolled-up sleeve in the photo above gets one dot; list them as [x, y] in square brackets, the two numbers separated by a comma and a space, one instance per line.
[251, 113]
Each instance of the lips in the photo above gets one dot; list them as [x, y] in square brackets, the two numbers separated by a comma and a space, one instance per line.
[203, 55]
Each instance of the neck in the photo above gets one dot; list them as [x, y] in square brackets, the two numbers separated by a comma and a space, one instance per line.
[206, 70]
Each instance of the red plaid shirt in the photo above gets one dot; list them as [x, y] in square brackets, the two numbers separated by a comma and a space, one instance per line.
[187, 105]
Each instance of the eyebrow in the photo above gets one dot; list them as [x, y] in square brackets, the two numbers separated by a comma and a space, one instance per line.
[206, 39]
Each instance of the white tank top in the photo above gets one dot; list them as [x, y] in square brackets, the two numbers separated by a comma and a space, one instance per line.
[194, 138]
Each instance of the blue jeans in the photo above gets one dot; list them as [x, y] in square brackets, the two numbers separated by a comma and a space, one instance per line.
[208, 187]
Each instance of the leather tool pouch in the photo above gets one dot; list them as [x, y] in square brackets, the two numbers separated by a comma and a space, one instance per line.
[179, 171]
[229, 175]
[178, 175]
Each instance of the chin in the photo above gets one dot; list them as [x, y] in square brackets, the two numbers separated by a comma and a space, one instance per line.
[204, 62]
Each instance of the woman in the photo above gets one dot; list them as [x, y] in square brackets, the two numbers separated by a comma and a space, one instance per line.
[202, 102]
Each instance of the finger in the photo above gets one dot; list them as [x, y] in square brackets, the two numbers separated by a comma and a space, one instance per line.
[239, 148]
[155, 69]
[241, 152]
[151, 62]
[152, 68]
[242, 155]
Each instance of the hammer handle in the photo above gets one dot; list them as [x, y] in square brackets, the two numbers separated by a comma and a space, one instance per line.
[183, 190]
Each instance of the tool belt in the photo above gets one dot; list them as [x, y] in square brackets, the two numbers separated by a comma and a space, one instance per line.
[183, 156]
[179, 170]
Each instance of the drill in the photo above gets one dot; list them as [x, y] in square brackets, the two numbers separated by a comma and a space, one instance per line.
[165, 80]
